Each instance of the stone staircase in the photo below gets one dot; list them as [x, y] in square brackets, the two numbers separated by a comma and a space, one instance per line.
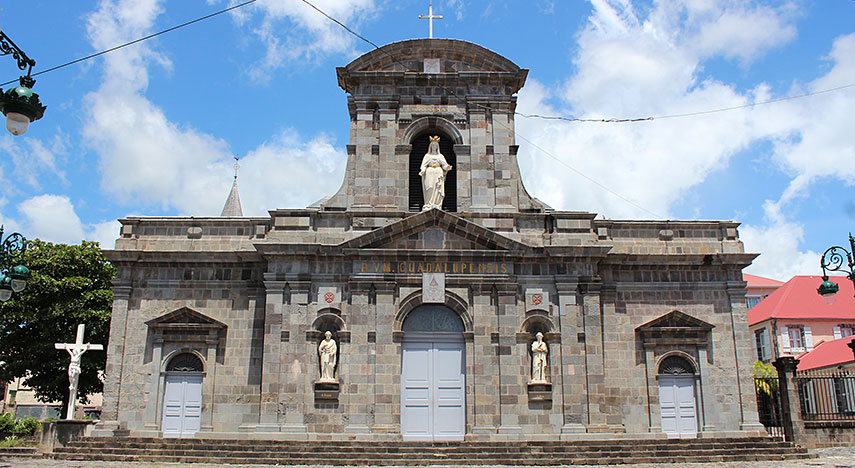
[599, 452]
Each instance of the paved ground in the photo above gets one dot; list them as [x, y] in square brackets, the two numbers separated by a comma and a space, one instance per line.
[827, 458]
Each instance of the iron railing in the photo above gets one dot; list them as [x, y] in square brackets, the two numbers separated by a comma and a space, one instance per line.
[826, 396]
[769, 406]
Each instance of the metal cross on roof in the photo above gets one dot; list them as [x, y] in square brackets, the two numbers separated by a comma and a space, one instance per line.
[237, 165]
[430, 17]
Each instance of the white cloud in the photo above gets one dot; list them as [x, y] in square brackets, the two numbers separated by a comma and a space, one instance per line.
[147, 159]
[633, 66]
[32, 159]
[778, 242]
[104, 233]
[53, 218]
[288, 172]
[634, 63]
[292, 30]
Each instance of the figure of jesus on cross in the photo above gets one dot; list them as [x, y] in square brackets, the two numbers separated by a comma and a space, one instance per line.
[76, 351]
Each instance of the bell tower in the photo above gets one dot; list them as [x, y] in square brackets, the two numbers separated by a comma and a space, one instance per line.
[401, 94]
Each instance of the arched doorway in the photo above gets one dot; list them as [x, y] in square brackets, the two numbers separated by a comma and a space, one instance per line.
[677, 402]
[182, 396]
[433, 375]
[419, 149]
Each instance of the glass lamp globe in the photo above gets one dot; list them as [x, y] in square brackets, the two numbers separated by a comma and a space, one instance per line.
[17, 123]
[5, 294]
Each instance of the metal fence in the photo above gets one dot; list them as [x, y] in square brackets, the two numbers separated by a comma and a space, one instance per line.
[769, 405]
[826, 396]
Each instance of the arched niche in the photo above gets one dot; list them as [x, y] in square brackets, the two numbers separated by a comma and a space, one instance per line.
[676, 363]
[419, 145]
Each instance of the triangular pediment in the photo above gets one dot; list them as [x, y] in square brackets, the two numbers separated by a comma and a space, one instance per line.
[185, 317]
[674, 321]
[434, 230]
[675, 328]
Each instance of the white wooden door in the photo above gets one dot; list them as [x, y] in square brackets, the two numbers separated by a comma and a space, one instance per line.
[433, 402]
[677, 407]
[182, 405]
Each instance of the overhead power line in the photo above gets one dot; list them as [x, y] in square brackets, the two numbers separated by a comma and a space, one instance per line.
[235, 7]
[687, 114]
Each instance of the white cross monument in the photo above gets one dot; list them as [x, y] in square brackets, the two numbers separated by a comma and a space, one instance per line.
[76, 351]
[430, 17]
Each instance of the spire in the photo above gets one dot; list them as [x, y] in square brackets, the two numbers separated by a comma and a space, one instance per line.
[232, 207]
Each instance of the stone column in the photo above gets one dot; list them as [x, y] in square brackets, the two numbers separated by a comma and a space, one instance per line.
[706, 388]
[653, 411]
[794, 427]
[571, 359]
[594, 360]
[271, 369]
[298, 359]
[385, 362]
[511, 382]
[115, 360]
[153, 403]
[210, 382]
[485, 377]
[356, 369]
[744, 357]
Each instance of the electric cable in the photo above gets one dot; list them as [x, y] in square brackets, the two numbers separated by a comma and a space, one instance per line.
[188, 23]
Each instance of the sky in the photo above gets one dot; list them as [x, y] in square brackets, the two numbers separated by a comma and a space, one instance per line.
[151, 129]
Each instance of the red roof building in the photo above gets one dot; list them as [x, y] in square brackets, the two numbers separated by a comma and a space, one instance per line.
[828, 354]
[794, 318]
[758, 288]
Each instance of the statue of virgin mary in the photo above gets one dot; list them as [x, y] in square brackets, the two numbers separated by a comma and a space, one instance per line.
[433, 170]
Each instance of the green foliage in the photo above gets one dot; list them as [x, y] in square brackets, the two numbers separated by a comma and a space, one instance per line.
[26, 426]
[7, 423]
[765, 378]
[11, 441]
[764, 370]
[70, 285]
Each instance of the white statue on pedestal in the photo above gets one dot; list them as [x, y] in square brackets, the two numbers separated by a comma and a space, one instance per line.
[433, 170]
[327, 351]
[539, 350]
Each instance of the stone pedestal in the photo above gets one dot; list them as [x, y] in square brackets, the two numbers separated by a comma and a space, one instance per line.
[540, 392]
[326, 392]
[57, 434]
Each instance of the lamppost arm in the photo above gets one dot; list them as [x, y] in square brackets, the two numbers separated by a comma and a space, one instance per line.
[20, 104]
[836, 258]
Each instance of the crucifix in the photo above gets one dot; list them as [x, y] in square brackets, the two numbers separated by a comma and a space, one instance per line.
[430, 17]
[76, 351]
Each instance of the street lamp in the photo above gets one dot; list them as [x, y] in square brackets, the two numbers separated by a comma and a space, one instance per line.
[833, 260]
[13, 275]
[20, 104]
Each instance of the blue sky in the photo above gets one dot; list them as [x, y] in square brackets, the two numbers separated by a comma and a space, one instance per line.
[150, 129]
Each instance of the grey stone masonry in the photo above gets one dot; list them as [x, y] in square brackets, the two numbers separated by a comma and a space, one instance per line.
[634, 313]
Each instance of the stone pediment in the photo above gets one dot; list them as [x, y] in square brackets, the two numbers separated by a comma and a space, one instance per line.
[675, 328]
[434, 230]
[185, 318]
[451, 56]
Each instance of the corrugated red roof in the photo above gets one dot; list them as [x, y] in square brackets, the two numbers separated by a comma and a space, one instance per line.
[798, 299]
[826, 354]
[755, 281]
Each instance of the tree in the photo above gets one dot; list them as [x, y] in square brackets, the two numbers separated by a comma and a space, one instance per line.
[70, 285]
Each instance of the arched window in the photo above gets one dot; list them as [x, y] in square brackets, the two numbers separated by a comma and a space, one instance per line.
[420, 148]
[432, 319]
[185, 362]
[675, 365]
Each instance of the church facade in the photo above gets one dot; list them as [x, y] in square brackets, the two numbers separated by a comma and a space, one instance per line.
[399, 309]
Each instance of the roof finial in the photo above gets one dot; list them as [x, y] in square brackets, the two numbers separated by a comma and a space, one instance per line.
[430, 17]
[232, 207]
